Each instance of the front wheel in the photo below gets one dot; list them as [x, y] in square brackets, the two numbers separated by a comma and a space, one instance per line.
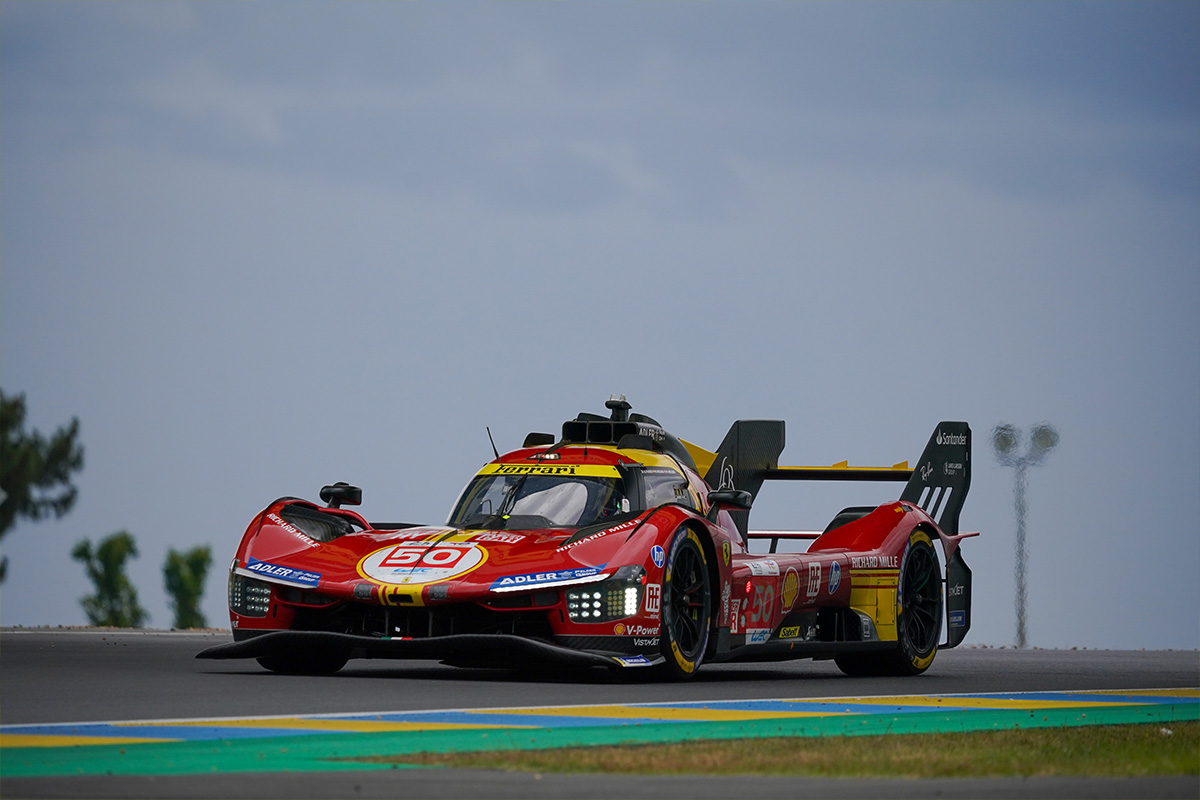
[686, 605]
[918, 617]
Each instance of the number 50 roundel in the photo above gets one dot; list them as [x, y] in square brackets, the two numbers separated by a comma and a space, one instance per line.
[415, 563]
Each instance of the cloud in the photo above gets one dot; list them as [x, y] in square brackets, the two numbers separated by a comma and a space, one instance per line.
[200, 94]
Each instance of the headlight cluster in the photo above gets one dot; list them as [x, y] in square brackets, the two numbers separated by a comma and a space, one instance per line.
[249, 597]
[616, 598]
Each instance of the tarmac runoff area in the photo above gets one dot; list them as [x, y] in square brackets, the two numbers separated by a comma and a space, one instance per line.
[328, 742]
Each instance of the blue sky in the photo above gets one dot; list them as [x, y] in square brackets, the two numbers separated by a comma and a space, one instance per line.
[257, 248]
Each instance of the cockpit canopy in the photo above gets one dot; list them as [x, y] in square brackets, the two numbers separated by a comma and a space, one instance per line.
[540, 501]
[519, 496]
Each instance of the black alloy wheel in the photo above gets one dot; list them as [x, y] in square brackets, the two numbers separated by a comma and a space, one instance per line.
[686, 605]
[918, 617]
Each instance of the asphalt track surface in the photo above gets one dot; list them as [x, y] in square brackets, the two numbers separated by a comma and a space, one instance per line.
[62, 676]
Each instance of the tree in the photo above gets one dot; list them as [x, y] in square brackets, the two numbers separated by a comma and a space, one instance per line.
[115, 602]
[184, 575]
[35, 472]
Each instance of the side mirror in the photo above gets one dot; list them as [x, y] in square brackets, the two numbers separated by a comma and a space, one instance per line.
[341, 492]
[730, 498]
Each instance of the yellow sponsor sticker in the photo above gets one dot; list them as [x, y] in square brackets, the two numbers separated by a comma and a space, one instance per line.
[565, 470]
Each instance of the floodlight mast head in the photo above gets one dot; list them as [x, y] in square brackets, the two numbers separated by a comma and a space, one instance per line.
[1043, 438]
[1005, 441]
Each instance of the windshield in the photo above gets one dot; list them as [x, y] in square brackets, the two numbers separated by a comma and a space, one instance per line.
[539, 501]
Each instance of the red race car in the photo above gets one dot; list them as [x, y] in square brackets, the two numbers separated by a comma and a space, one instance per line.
[617, 545]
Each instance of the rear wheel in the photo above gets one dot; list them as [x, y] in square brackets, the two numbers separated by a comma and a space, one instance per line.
[918, 617]
[686, 605]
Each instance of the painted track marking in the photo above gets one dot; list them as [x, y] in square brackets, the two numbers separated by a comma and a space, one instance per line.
[326, 741]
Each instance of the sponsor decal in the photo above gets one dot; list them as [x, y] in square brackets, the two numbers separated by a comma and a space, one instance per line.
[951, 438]
[762, 611]
[726, 474]
[503, 538]
[657, 434]
[956, 590]
[725, 592]
[658, 555]
[281, 522]
[758, 635]
[418, 535]
[958, 619]
[791, 589]
[300, 577]
[653, 598]
[621, 629]
[951, 469]
[733, 622]
[418, 563]
[632, 661]
[790, 632]
[651, 642]
[814, 578]
[874, 562]
[725, 553]
[549, 578]
[363, 591]
[926, 471]
[591, 470]
[761, 568]
[835, 577]
[624, 526]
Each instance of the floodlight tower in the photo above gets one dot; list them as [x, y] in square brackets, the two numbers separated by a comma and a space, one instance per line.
[1005, 440]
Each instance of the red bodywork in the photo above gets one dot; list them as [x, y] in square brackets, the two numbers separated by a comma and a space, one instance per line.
[467, 595]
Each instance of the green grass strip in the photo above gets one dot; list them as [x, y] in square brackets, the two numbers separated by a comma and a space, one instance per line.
[1109, 751]
[316, 752]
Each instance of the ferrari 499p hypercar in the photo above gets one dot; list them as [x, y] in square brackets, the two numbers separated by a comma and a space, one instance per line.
[615, 544]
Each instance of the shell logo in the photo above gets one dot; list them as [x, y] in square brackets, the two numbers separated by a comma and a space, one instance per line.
[619, 629]
[791, 589]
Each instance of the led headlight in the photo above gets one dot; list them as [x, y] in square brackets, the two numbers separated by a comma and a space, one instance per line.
[616, 598]
[248, 597]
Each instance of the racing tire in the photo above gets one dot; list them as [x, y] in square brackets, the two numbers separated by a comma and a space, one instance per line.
[321, 662]
[686, 605]
[918, 617]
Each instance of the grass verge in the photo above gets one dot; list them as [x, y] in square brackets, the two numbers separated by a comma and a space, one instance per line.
[1098, 751]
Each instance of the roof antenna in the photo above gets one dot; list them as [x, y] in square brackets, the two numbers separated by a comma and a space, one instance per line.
[493, 441]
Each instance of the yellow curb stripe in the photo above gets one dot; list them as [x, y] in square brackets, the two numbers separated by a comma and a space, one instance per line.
[1149, 692]
[977, 702]
[340, 725]
[636, 712]
[44, 740]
